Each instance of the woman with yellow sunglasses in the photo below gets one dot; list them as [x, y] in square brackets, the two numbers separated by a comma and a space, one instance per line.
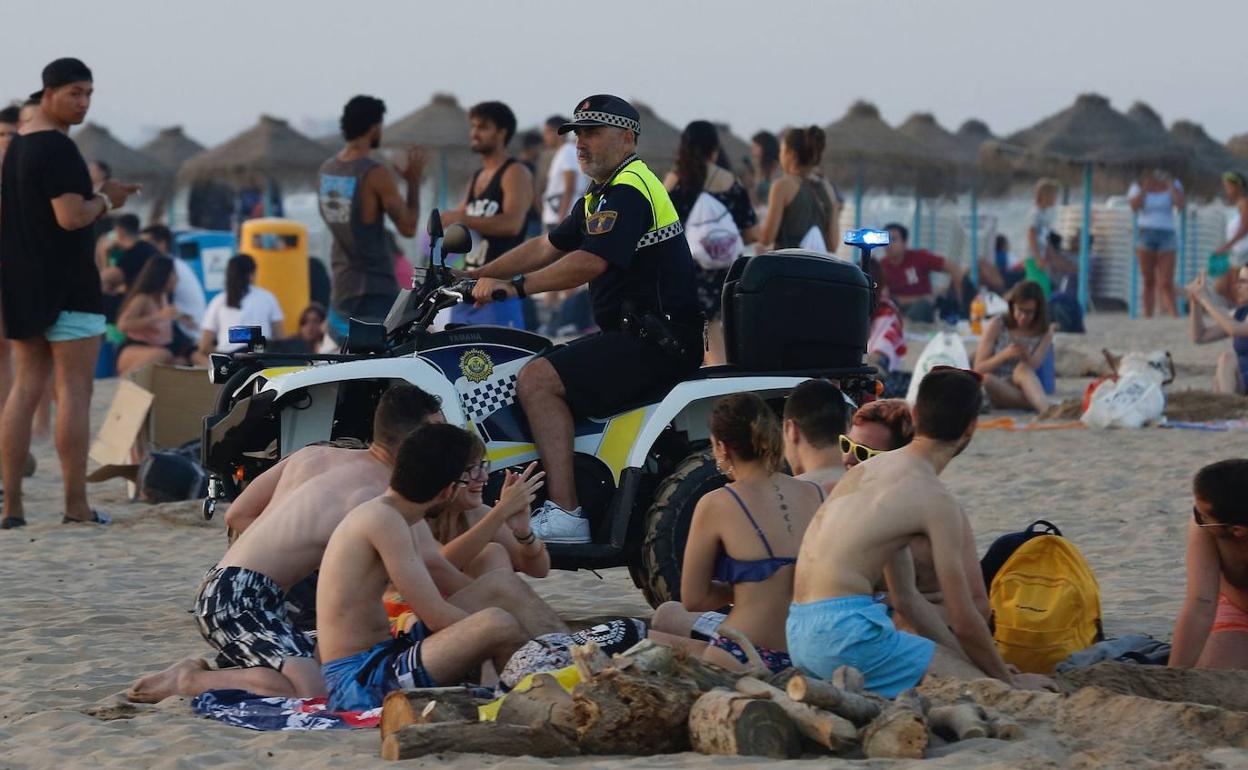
[878, 426]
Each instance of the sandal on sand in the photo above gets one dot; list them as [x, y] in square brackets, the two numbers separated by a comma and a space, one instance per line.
[12, 522]
[96, 518]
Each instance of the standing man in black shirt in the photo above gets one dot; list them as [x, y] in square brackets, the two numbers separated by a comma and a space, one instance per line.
[496, 207]
[625, 240]
[52, 304]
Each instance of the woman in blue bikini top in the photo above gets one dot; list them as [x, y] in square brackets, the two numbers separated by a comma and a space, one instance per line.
[744, 538]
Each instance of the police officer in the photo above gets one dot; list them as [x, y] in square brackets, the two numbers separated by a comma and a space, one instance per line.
[625, 240]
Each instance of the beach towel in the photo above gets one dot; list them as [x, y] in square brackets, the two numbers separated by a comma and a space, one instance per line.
[245, 709]
[1132, 648]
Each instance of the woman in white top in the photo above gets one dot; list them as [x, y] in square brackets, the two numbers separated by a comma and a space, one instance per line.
[241, 304]
[1235, 185]
[1154, 199]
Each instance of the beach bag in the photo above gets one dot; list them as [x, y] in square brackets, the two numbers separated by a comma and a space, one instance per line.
[167, 477]
[714, 240]
[945, 349]
[1132, 401]
[1046, 604]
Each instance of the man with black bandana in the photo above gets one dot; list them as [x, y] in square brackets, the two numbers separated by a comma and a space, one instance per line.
[625, 240]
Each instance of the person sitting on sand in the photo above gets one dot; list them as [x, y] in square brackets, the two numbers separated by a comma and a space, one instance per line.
[1231, 375]
[877, 427]
[815, 414]
[742, 539]
[467, 525]
[1212, 628]
[286, 516]
[373, 547]
[862, 535]
[1013, 347]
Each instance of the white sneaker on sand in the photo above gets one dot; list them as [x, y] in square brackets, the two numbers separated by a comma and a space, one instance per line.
[555, 525]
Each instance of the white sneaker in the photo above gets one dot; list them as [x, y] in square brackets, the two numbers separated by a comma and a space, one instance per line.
[555, 525]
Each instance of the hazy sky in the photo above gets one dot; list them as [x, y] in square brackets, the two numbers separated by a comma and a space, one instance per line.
[214, 66]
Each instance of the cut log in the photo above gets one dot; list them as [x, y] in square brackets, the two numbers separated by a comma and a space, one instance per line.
[858, 709]
[848, 679]
[648, 656]
[899, 732]
[422, 706]
[590, 660]
[781, 678]
[754, 664]
[959, 721]
[545, 705]
[1003, 728]
[475, 738]
[727, 722]
[830, 731]
[619, 712]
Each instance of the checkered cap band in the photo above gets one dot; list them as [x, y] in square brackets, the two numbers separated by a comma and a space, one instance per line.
[483, 399]
[609, 119]
[662, 234]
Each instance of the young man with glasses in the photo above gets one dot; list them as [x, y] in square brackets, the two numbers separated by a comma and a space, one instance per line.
[1212, 628]
[877, 427]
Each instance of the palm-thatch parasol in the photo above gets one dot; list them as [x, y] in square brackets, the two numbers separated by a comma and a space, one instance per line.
[659, 140]
[736, 148]
[127, 164]
[441, 127]
[269, 151]
[171, 148]
[1238, 145]
[970, 135]
[864, 151]
[1209, 158]
[1146, 116]
[1090, 133]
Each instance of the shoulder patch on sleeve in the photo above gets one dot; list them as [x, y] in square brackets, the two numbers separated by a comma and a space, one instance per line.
[601, 222]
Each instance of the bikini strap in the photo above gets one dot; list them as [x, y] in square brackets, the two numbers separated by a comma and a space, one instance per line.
[818, 488]
[750, 516]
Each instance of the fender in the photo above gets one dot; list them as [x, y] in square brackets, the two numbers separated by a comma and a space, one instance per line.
[688, 406]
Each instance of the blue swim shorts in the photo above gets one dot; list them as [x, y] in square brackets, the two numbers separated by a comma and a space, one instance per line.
[72, 325]
[856, 631]
[359, 682]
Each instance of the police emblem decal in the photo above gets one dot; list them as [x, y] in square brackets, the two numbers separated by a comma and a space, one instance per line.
[476, 365]
[601, 223]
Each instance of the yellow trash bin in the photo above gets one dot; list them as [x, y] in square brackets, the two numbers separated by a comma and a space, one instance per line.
[280, 248]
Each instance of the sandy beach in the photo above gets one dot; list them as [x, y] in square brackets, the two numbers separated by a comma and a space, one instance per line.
[85, 610]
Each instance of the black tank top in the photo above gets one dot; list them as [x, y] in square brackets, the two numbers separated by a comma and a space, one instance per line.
[487, 204]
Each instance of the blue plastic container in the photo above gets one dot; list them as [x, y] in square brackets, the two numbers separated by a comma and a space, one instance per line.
[207, 252]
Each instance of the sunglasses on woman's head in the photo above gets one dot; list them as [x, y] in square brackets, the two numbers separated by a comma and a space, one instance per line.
[861, 452]
[1199, 523]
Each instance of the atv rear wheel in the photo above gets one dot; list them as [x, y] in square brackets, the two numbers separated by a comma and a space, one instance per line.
[667, 525]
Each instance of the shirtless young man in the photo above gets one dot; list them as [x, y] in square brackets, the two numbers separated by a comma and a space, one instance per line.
[243, 604]
[862, 533]
[375, 546]
[815, 415]
[1212, 628]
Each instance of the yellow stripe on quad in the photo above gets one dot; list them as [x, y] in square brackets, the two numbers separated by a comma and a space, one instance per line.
[617, 440]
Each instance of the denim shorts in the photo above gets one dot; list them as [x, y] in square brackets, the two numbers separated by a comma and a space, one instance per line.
[73, 325]
[1156, 239]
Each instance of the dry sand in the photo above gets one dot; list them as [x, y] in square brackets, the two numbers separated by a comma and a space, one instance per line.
[83, 610]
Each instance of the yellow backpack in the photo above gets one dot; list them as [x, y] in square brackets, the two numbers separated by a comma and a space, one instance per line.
[1046, 604]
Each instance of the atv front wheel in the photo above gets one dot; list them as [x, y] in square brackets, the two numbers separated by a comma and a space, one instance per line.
[667, 525]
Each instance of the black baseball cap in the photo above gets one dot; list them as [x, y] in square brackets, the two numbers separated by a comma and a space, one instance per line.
[604, 110]
[62, 72]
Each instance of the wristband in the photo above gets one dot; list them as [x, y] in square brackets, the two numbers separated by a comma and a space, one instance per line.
[526, 541]
[108, 204]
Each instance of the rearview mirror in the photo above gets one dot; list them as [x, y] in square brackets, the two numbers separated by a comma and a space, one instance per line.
[434, 225]
[866, 238]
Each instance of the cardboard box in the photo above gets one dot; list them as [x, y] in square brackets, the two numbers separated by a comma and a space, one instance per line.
[157, 407]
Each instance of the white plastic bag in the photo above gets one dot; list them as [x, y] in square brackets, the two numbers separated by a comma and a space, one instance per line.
[813, 241]
[714, 240]
[1132, 401]
[945, 349]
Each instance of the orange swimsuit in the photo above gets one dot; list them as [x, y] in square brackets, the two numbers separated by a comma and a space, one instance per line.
[1230, 617]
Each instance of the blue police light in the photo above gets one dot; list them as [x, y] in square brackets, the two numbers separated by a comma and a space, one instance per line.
[246, 335]
[866, 237]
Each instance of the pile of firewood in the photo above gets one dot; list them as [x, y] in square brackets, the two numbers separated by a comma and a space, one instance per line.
[658, 700]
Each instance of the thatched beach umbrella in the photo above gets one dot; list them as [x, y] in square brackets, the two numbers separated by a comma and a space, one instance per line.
[127, 164]
[441, 127]
[659, 140]
[1146, 117]
[171, 148]
[971, 135]
[1090, 133]
[270, 151]
[1238, 145]
[1209, 158]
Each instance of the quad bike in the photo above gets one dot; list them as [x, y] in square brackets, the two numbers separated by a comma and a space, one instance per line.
[639, 472]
